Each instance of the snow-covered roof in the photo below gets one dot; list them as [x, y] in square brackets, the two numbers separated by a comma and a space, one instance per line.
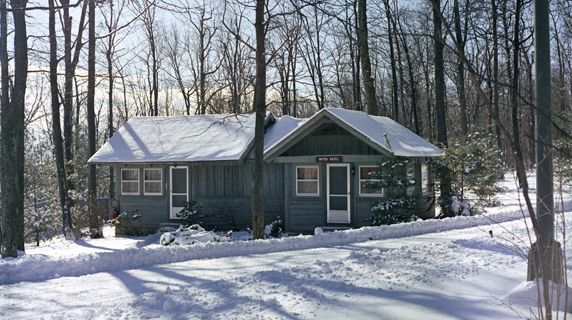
[229, 137]
[401, 142]
[180, 139]
[382, 133]
[282, 128]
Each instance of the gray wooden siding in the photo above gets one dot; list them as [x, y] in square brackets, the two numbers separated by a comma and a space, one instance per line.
[330, 140]
[303, 214]
[154, 210]
[223, 191]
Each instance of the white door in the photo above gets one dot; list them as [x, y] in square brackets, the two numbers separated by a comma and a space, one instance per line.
[178, 189]
[338, 186]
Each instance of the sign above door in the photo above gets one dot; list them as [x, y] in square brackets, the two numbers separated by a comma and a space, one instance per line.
[330, 159]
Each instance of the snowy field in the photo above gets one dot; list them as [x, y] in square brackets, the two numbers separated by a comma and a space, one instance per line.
[435, 269]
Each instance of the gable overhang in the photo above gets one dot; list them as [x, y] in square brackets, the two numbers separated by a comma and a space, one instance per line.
[313, 124]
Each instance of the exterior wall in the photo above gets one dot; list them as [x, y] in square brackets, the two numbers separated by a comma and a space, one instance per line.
[154, 210]
[304, 213]
[224, 191]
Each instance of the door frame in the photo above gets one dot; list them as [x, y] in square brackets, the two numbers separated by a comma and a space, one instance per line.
[347, 166]
[171, 194]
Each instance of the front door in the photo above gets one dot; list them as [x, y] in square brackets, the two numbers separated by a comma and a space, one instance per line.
[338, 193]
[179, 190]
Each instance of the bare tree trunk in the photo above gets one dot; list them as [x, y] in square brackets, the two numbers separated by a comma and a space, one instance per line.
[12, 131]
[94, 219]
[496, 69]
[444, 173]
[460, 69]
[260, 110]
[368, 81]
[412, 82]
[57, 129]
[394, 100]
[515, 79]
[70, 62]
[110, 77]
[11, 249]
[549, 252]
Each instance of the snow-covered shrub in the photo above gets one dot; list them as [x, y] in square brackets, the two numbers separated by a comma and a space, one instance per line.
[192, 213]
[190, 235]
[460, 208]
[398, 205]
[273, 230]
[476, 165]
[124, 221]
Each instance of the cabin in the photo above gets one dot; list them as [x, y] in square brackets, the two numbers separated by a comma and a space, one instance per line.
[314, 173]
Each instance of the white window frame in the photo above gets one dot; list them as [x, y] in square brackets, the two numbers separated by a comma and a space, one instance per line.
[160, 193]
[360, 181]
[123, 193]
[317, 194]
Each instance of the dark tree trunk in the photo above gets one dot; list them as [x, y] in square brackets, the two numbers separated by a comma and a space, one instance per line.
[548, 251]
[412, 84]
[70, 62]
[460, 69]
[260, 110]
[362, 39]
[56, 128]
[444, 173]
[515, 79]
[356, 65]
[496, 70]
[94, 219]
[111, 79]
[12, 131]
[394, 99]
[11, 249]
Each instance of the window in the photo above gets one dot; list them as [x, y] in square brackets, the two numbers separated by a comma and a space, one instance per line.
[424, 178]
[307, 181]
[130, 181]
[411, 177]
[153, 180]
[369, 175]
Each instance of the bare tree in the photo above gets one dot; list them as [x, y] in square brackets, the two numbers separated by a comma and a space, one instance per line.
[236, 63]
[444, 173]
[12, 130]
[94, 219]
[71, 59]
[363, 45]
[65, 203]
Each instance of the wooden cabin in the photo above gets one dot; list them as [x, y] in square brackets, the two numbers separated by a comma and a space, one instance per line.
[314, 169]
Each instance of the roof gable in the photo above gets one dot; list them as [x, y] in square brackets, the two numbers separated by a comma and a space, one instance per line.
[382, 134]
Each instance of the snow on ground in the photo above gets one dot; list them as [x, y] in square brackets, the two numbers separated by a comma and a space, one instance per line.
[438, 269]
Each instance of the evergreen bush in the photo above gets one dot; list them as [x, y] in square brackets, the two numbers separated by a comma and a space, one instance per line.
[476, 163]
[398, 203]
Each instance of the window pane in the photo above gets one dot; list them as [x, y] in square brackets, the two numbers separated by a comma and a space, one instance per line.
[368, 172]
[338, 203]
[130, 175]
[179, 201]
[129, 187]
[306, 173]
[308, 187]
[424, 178]
[152, 174]
[152, 187]
[370, 190]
